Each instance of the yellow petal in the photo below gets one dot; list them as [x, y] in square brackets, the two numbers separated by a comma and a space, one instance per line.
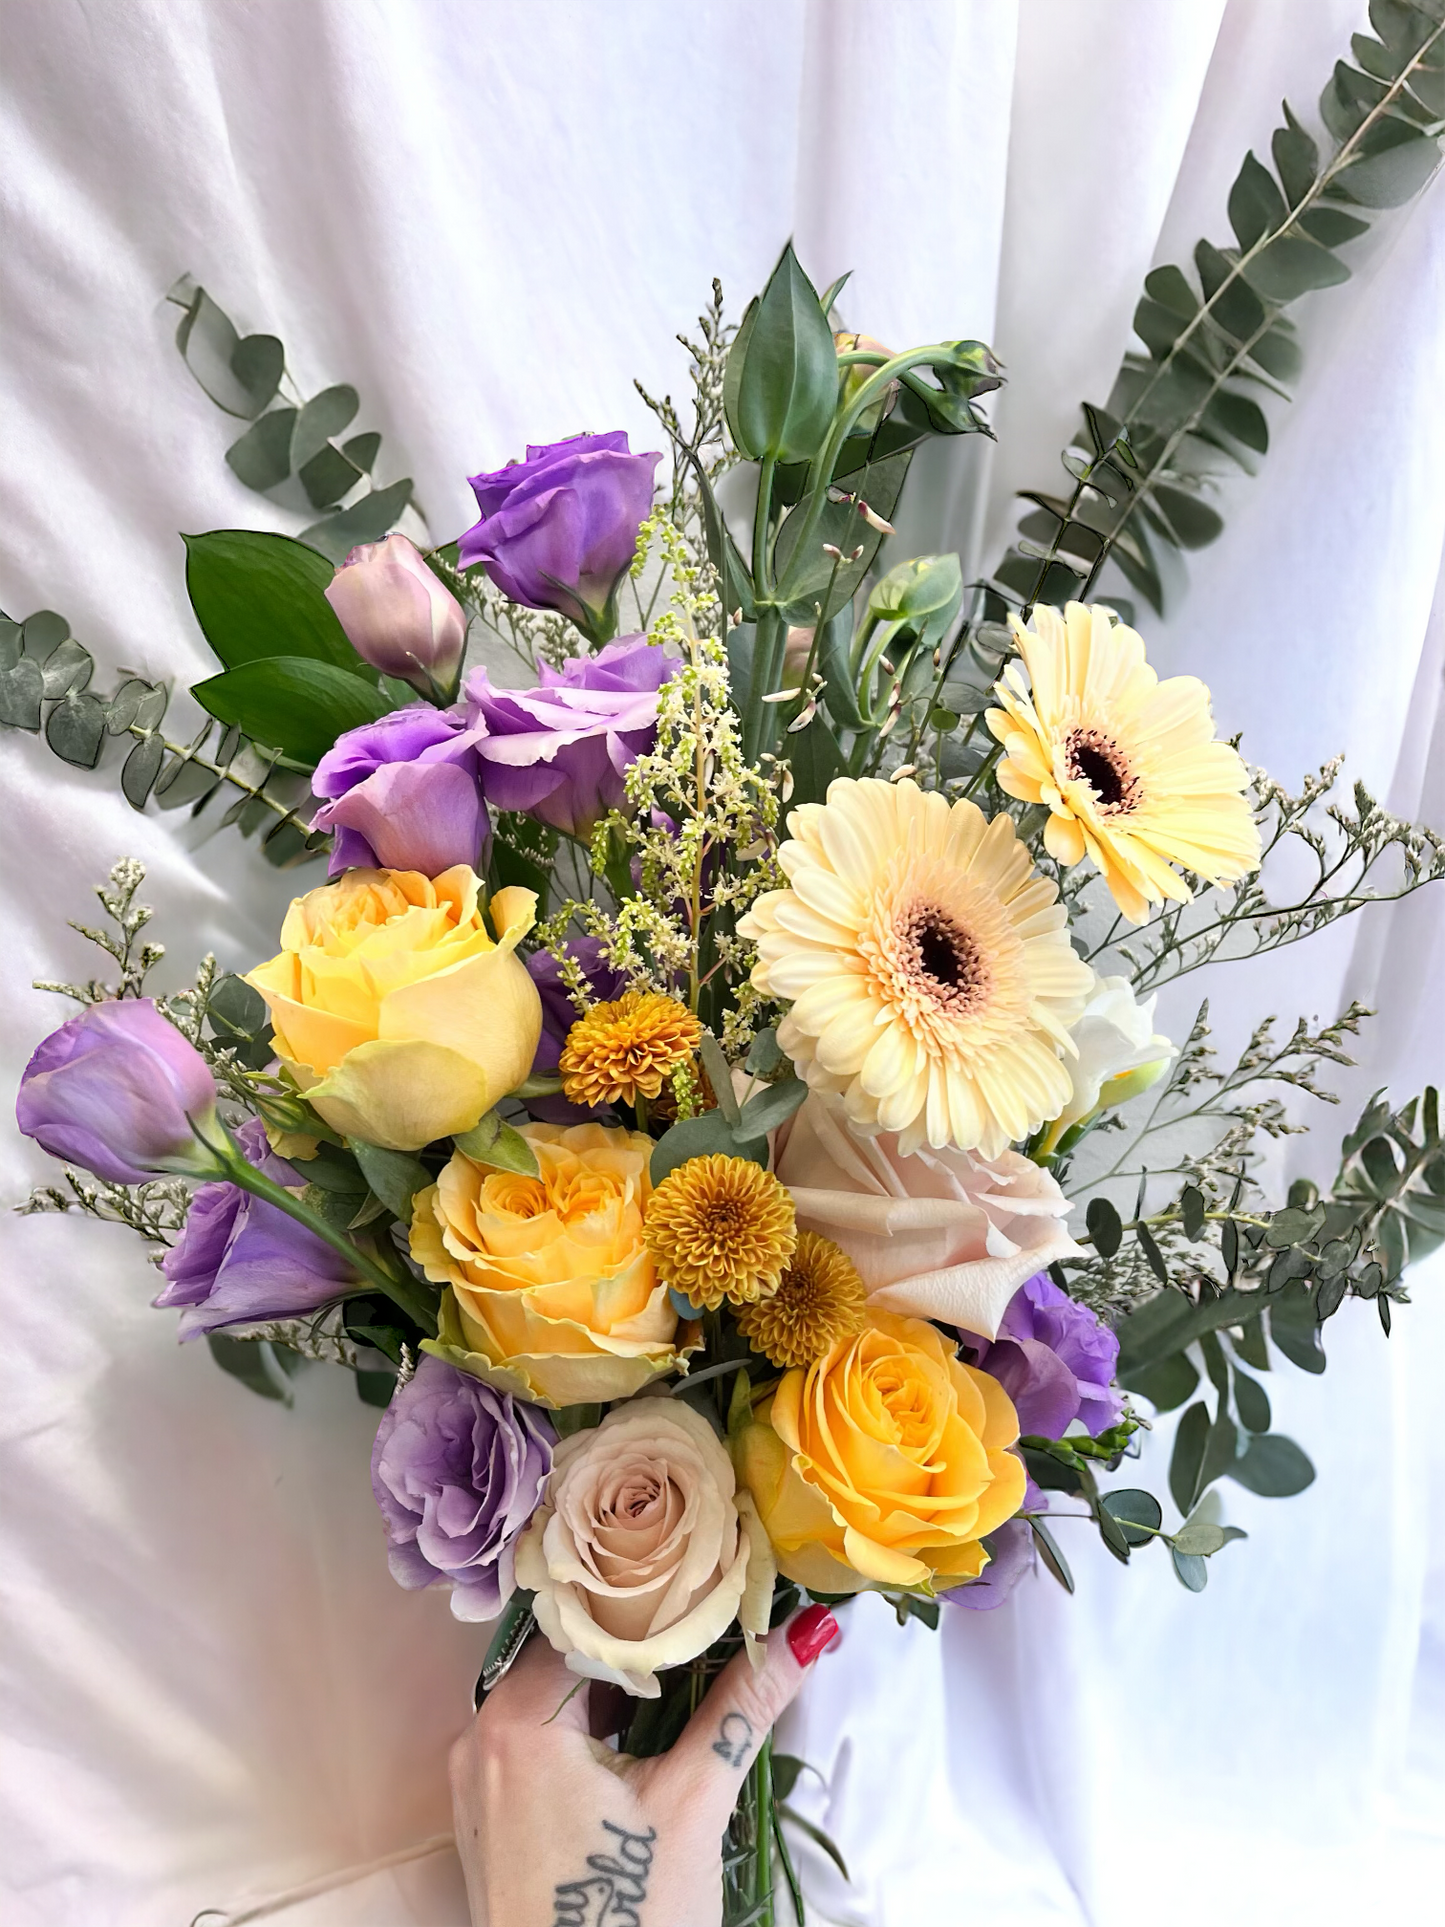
[486, 1010]
[402, 1095]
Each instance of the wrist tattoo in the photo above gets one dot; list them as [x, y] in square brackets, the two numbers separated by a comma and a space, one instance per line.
[615, 1885]
[734, 1740]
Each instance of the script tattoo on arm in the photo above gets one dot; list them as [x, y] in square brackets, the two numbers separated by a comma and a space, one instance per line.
[612, 1891]
[734, 1740]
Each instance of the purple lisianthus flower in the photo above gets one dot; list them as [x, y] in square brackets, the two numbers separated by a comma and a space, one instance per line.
[241, 1261]
[458, 1469]
[1011, 1555]
[561, 752]
[1055, 1360]
[559, 529]
[402, 794]
[116, 1090]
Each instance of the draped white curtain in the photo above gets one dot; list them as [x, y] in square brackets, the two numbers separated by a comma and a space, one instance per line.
[489, 217]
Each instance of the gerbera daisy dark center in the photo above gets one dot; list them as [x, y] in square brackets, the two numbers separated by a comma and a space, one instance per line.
[1094, 759]
[941, 959]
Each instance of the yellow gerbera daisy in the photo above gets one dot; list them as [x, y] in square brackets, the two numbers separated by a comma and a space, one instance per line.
[1127, 765]
[928, 963]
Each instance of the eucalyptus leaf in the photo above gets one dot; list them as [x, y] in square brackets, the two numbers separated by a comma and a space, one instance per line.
[261, 458]
[367, 520]
[1273, 1466]
[765, 1054]
[1296, 157]
[1256, 206]
[1049, 1552]
[362, 450]
[719, 1075]
[327, 477]
[1188, 1456]
[1203, 1537]
[142, 766]
[254, 1362]
[21, 693]
[1251, 1401]
[767, 1109]
[1105, 1227]
[239, 375]
[324, 416]
[68, 668]
[1393, 173]
[1293, 265]
[44, 632]
[1138, 1514]
[705, 1136]
[75, 729]
[1190, 1569]
[1167, 1385]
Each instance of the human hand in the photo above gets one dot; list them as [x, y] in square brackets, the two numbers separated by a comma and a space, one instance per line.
[554, 1829]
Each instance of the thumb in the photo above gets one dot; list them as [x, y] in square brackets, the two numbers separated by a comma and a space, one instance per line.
[721, 1740]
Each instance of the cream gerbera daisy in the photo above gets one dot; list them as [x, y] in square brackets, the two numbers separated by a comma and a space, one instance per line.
[928, 964]
[1126, 765]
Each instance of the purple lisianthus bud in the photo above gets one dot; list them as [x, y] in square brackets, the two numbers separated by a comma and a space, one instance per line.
[458, 1469]
[241, 1261]
[117, 1090]
[559, 530]
[1054, 1359]
[402, 794]
[561, 752]
[398, 615]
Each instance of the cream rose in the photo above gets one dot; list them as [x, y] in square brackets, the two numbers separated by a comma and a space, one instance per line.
[643, 1551]
[398, 1013]
[945, 1234]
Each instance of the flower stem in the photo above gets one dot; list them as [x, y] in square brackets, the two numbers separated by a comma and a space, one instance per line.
[760, 1779]
[403, 1291]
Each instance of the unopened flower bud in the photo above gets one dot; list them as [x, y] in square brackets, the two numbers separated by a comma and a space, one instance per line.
[399, 616]
[120, 1091]
[852, 378]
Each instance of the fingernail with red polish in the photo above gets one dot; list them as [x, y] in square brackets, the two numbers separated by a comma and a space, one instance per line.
[811, 1634]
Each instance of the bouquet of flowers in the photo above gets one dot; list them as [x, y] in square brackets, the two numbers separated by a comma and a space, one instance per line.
[713, 1104]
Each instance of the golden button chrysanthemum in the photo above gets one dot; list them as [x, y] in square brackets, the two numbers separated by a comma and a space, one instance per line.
[820, 1301]
[622, 1050]
[1126, 765]
[721, 1227]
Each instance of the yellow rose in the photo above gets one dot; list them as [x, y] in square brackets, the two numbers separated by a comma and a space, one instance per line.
[553, 1296]
[884, 1464]
[396, 1011]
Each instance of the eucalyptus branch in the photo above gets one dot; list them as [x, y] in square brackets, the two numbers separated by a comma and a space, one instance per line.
[1318, 192]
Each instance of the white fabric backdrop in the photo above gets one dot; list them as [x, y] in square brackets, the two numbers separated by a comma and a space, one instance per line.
[489, 217]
